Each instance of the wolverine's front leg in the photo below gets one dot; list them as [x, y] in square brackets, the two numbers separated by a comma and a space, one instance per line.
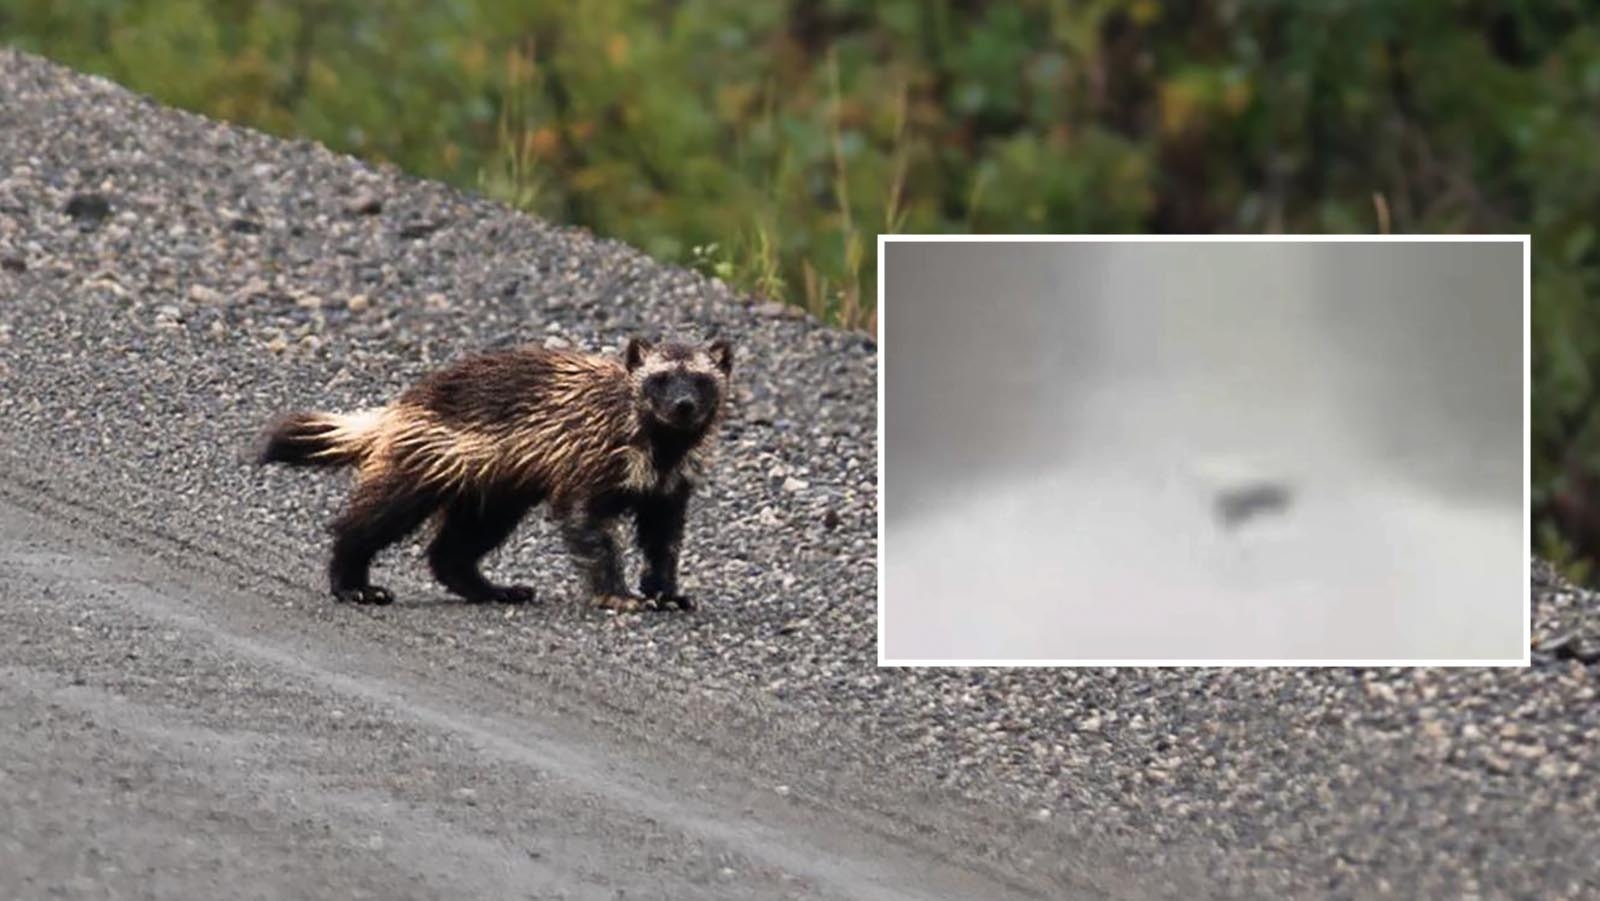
[590, 536]
[658, 521]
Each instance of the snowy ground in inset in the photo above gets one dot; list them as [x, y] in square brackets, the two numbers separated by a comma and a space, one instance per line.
[1121, 555]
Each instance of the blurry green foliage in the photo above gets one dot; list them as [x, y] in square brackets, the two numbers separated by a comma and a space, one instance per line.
[768, 142]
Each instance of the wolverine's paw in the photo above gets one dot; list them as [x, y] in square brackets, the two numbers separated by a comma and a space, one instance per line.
[366, 594]
[680, 601]
[622, 603]
[660, 597]
[507, 594]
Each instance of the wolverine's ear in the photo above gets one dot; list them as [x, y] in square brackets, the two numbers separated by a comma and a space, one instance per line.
[634, 355]
[722, 355]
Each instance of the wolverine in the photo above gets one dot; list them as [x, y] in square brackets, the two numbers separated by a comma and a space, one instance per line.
[477, 445]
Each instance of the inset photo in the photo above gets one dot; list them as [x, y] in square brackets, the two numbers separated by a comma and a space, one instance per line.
[1203, 450]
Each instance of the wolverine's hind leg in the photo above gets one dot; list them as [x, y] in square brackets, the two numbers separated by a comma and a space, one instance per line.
[472, 527]
[383, 509]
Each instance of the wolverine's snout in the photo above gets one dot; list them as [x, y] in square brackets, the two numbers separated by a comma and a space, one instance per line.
[685, 410]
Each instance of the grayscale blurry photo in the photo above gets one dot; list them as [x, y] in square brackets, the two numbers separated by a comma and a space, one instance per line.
[1206, 451]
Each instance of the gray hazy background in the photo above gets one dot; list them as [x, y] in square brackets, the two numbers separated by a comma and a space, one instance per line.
[1060, 418]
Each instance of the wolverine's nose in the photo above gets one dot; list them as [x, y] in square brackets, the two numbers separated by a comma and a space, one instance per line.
[683, 408]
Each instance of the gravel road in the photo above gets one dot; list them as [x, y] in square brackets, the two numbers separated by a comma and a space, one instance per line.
[183, 711]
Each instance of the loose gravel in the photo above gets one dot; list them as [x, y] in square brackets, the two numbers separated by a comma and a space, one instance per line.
[167, 283]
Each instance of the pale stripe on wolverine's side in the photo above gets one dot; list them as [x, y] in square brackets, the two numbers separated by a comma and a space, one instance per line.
[480, 443]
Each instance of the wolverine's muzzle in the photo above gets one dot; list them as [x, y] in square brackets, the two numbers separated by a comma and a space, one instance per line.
[686, 412]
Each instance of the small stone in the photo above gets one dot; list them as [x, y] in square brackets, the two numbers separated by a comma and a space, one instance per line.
[772, 309]
[1533, 751]
[203, 294]
[420, 229]
[782, 790]
[245, 226]
[364, 203]
[1573, 645]
[358, 302]
[1381, 691]
[830, 519]
[308, 302]
[278, 345]
[107, 282]
[792, 484]
[13, 264]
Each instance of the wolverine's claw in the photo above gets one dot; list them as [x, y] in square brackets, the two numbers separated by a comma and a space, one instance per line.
[618, 602]
[508, 594]
[653, 589]
[679, 600]
[516, 594]
[367, 594]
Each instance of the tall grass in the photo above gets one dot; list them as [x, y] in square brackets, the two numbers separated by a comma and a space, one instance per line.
[512, 173]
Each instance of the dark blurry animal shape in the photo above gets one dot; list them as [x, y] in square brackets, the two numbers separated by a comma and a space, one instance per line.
[1237, 505]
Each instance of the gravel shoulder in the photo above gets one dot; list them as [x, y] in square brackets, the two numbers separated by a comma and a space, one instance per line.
[168, 283]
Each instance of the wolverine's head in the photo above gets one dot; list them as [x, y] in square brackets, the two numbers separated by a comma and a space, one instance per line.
[680, 386]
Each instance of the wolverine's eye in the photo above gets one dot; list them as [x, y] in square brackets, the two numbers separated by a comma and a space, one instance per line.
[655, 384]
[706, 388]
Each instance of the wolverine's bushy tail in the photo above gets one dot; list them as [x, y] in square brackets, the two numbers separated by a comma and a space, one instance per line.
[320, 439]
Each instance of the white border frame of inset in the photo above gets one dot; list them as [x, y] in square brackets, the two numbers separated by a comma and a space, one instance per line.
[1527, 451]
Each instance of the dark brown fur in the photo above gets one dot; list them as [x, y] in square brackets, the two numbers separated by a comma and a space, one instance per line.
[482, 442]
